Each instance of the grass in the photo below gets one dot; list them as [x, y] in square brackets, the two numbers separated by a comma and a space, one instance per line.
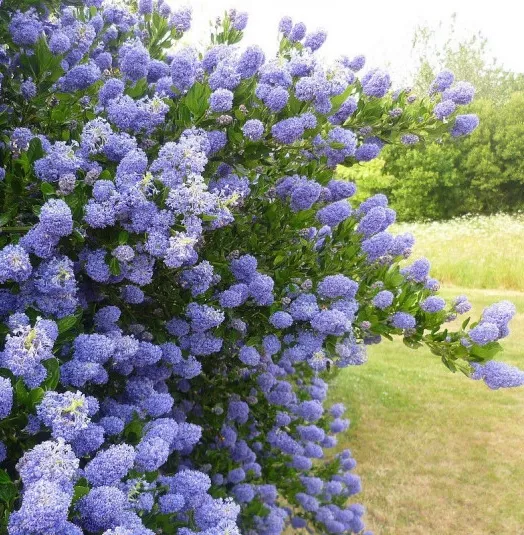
[473, 252]
[438, 453]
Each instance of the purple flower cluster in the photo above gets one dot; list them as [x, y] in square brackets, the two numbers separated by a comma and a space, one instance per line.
[464, 125]
[493, 324]
[26, 347]
[498, 375]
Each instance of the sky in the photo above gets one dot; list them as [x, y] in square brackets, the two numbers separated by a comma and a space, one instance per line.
[382, 30]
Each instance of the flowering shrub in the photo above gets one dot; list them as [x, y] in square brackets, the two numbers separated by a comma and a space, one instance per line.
[182, 272]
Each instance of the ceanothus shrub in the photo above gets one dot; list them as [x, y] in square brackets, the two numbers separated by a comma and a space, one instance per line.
[182, 272]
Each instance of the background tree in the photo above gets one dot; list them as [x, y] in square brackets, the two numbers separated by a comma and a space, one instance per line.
[436, 49]
[484, 174]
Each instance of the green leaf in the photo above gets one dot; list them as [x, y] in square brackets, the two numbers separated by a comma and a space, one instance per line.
[235, 136]
[4, 477]
[133, 431]
[197, 99]
[79, 492]
[23, 166]
[138, 90]
[78, 236]
[21, 392]
[60, 114]
[279, 259]
[8, 493]
[46, 188]
[8, 489]
[412, 344]
[4, 219]
[53, 374]
[114, 267]
[486, 352]
[35, 150]
[67, 323]
[123, 236]
[34, 397]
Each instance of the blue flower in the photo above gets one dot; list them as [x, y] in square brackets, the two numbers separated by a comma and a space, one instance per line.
[337, 286]
[181, 19]
[433, 304]
[249, 356]
[377, 246]
[340, 189]
[56, 218]
[225, 75]
[110, 466]
[151, 454]
[334, 213]
[499, 375]
[484, 333]
[418, 271]
[52, 460]
[403, 320]
[464, 125]
[253, 129]
[28, 89]
[376, 83]
[285, 25]
[60, 159]
[221, 100]
[239, 20]
[409, 139]
[184, 69]
[26, 348]
[298, 32]
[6, 397]
[288, 131]
[102, 508]
[315, 40]
[44, 509]
[111, 89]
[330, 322]
[376, 220]
[442, 81]
[444, 109]
[357, 63]
[66, 414]
[14, 264]
[383, 299]
[250, 61]
[281, 320]
[80, 77]
[367, 152]
[25, 28]
[204, 317]
[145, 7]
[171, 503]
[461, 93]
[59, 42]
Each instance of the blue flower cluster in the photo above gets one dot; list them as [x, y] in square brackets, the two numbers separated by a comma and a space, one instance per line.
[182, 272]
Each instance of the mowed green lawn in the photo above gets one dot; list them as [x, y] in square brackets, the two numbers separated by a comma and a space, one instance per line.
[438, 453]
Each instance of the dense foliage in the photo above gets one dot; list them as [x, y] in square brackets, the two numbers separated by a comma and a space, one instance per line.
[469, 57]
[181, 274]
[482, 174]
